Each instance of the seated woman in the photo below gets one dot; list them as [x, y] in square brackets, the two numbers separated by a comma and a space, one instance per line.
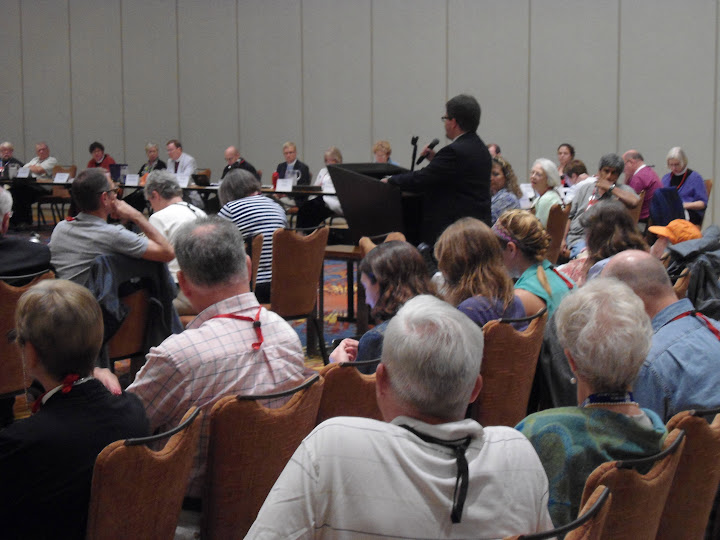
[689, 183]
[503, 188]
[99, 157]
[544, 178]
[525, 243]
[565, 154]
[476, 281]
[392, 273]
[47, 460]
[381, 152]
[610, 230]
[606, 336]
[318, 209]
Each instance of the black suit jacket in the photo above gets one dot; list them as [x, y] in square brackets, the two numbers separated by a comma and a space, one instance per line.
[5, 164]
[299, 166]
[19, 257]
[455, 184]
[240, 164]
[159, 165]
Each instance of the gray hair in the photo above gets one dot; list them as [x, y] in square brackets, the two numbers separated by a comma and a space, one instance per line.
[677, 153]
[432, 353]
[165, 183]
[551, 171]
[150, 145]
[237, 184]
[7, 144]
[6, 202]
[211, 252]
[613, 161]
[604, 326]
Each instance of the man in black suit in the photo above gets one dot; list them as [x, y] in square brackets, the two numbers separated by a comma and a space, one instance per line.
[234, 161]
[456, 182]
[292, 164]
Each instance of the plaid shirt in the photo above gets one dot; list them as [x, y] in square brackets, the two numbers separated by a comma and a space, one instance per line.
[213, 358]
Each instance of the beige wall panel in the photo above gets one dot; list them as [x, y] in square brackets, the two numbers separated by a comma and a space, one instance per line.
[150, 76]
[96, 69]
[46, 77]
[573, 78]
[409, 53]
[337, 79]
[207, 45]
[11, 95]
[270, 80]
[488, 58]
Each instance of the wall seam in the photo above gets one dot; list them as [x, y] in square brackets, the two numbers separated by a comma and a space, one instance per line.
[72, 115]
[22, 83]
[617, 84]
[447, 50]
[122, 85]
[372, 79]
[716, 160]
[237, 70]
[177, 67]
[302, 80]
[529, 84]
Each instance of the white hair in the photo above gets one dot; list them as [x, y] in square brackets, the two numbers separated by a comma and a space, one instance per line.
[432, 353]
[604, 326]
[551, 171]
[6, 202]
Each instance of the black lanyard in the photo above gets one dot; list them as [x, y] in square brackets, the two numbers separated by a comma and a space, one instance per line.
[459, 446]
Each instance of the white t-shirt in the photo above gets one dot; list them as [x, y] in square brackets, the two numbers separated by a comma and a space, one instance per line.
[168, 221]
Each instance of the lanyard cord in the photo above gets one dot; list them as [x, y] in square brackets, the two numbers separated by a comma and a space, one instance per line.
[255, 321]
[697, 315]
[459, 446]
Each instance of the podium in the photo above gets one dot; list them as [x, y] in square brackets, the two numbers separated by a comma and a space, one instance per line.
[372, 208]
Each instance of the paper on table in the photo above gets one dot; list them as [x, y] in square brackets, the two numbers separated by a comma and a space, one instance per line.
[183, 179]
[132, 179]
[284, 184]
[61, 178]
[23, 172]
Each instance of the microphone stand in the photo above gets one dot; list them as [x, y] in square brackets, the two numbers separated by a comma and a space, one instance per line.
[413, 142]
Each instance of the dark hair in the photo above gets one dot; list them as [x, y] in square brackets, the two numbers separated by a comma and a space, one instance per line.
[87, 189]
[610, 230]
[465, 110]
[175, 142]
[575, 167]
[95, 146]
[237, 184]
[400, 272]
[569, 147]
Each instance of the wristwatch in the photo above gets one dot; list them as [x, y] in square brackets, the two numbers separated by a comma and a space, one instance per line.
[611, 188]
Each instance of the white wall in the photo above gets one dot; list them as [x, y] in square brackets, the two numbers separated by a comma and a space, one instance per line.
[605, 76]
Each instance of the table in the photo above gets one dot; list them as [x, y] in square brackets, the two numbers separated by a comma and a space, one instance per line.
[350, 254]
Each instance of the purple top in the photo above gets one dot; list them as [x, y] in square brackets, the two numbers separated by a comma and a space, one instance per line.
[645, 179]
[692, 189]
[481, 310]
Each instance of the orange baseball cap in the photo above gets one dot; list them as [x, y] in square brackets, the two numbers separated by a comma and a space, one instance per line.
[678, 230]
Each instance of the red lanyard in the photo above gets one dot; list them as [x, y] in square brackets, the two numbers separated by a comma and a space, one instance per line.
[255, 321]
[700, 316]
[682, 181]
[566, 280]
[67, 384]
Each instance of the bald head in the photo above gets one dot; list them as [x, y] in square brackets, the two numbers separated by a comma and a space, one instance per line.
[633, 160]
[231, 155]
[645, 275]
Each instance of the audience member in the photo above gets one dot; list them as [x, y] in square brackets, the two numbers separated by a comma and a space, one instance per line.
[456, 182]
[76, 242]
[606, 334]
[99, 158]
[170, 212]
[476, 280]
[222, 352]
[603, 188]
[689, 184]
[318, 209]
[494, 150]
[392, 273]
[26, 193]
[545, 180]
[565, 154]
[525, 243]
[179, 162]
[640, 177]
[504, 188]
[680, 371]
[253, 214]
[574, 177]
[234, 161]
[18, 256]
[427, 472]
[153, 163]
[609, 231]
[678, 230]
[6, 159]
[381, 151]
[47, 460]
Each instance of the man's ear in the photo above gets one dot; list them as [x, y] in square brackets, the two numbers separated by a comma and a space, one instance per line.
[5, 223]
[183, 284]
[476, 389]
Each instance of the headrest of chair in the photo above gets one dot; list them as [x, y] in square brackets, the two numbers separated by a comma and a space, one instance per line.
[167, 434]
[635, 463]
[360, 363]
[306, 384]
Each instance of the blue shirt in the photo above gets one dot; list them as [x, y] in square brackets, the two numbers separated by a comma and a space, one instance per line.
[682, 369]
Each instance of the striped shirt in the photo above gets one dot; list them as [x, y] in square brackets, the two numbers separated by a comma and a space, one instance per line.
[255, 215]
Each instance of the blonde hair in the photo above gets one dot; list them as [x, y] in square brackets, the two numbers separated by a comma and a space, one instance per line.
[334, 153]
[530, 237]
[470, 258]
[382, 146]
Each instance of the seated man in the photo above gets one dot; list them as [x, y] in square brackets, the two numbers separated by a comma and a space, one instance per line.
[18, 256]
[170, 212]
[220, 353]
[46, 461]
[640, 177]
[680, 371]
[7, 159]
[603, 188]
[253, 214]
[76, 242]
[428, 472]
[234, 161]
[24, 193]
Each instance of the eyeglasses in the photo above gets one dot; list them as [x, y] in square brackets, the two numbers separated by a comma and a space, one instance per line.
[112, 190]
[443, 118]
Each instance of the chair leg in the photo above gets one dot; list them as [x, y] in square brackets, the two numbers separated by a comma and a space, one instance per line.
[321, 339]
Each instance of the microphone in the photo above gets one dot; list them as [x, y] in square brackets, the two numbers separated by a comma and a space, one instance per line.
[432, 145]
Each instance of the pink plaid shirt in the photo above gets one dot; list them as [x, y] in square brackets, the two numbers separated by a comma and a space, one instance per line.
[213, 358]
